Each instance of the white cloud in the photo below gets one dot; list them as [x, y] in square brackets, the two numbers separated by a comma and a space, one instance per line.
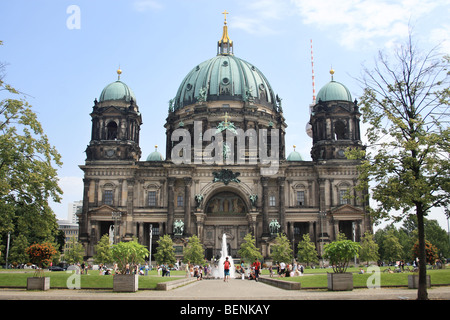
[257, 16]
[441, 36]
[357, 22]
[144, 5]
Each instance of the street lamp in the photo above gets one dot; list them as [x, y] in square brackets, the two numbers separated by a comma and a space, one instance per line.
[322, 215]
[150, 246]
[116, 215]
[7, 249]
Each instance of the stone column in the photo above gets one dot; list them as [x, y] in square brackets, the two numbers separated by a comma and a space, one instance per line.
[282, 208]
[187, 206]
[83, 221]
[141, 232]
[265, 206]
[129, 226]
[170, 205]
[96, 193]
[336, 228]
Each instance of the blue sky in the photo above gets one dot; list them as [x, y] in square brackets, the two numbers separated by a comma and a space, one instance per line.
[157, 42]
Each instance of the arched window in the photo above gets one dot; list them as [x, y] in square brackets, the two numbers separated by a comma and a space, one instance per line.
[111, 131]
[226, 203]
[108, 194]
[340, 130]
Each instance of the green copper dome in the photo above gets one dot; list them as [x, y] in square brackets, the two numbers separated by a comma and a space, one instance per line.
[334, 91]
[155, 155]
[117, 91]
[294, 156]
[224, 77]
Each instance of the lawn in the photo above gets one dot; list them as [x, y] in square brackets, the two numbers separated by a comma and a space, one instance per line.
[319, 279]
[91, 280]
[313, 278]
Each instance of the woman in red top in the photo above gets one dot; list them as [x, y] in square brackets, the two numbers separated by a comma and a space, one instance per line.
[257, 266]
[226, 270]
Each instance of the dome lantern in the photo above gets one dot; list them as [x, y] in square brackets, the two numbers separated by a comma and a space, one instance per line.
[225, 45]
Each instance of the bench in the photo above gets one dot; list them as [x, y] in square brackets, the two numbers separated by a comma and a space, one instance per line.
[286, 285]
[169, 285]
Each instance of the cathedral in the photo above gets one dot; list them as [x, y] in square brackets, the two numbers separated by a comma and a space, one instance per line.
[225, 170]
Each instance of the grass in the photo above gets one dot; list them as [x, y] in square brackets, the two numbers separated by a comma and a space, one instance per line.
[317, 278]
[18, 278]
[313, 278]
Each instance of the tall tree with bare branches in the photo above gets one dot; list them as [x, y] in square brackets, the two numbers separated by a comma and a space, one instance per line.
[406, 163]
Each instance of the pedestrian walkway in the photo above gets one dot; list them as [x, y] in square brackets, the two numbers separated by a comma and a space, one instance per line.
[233, 290]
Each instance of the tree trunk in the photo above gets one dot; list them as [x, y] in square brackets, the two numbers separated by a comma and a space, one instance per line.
[422, 293]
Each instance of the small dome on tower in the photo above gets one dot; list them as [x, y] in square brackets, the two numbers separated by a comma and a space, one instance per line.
[294, 156]
[117, 91]
[155, 155]
[334, 91]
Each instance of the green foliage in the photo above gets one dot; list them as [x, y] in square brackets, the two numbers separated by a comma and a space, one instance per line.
[248, 251]
[103, 251]
[405, 103]
[74, 253]
[41, 254]
[282, 249]
[165, 252]
[339, 253]
[28, 177]
[17, 253]
[307, 251]
[193, 252]
[127, 255]
[369, 248]
[430, 252]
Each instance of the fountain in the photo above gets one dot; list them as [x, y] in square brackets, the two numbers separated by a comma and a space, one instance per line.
[217, 271]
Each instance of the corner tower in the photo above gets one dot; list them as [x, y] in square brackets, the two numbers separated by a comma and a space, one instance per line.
[116, 122]
[335, 122]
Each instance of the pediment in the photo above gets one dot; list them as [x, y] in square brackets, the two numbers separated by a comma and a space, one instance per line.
[347, 210]
[103, 210]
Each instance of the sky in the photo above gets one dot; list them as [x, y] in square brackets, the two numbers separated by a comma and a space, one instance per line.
[62, 54]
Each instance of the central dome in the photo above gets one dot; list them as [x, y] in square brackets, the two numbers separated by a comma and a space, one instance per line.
[224, 77]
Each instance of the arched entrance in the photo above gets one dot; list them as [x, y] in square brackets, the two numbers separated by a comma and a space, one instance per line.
[225, 212]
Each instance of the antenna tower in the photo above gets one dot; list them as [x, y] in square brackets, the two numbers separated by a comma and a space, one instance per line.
[313, 80]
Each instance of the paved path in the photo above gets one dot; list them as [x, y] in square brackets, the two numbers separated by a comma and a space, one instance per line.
[233, 290]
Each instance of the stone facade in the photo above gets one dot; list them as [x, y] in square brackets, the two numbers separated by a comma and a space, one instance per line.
[221, 186]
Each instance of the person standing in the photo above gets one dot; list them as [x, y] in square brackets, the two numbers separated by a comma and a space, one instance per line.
[226, 270]
[257, 266]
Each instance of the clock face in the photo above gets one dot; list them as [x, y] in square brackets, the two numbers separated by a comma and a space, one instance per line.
[341, 153]
[110, 153]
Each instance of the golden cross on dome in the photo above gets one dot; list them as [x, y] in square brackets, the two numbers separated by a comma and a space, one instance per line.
[225, 14]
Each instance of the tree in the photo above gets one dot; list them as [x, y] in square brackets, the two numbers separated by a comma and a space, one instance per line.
[103, 251]
[41, 254]
[28, 177]
[18, 253]
[165, 252]
[340, 252]
[128, 255]
[193, 252]
[405, 103]
[282, 250]
[431, 252]
[307, 250]
[74, 253]
[392, 247]
[248, 250]
[369, 249]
